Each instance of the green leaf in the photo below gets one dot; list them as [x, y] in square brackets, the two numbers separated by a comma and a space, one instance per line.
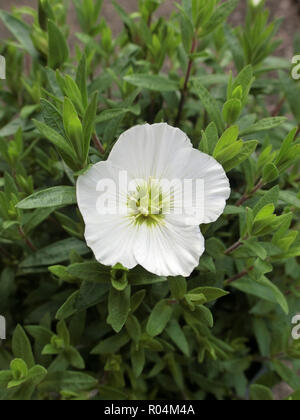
[58, 141]
[110, 114]
[263, 336]
[118, 308]
[140, 277]
[287, 375]
[211, 293]
[67, 381]
[52, 117]
[58, 47]
[178, 287]
[68, 308]
[290, 198]
[89, 120]
[187, 32]
[90, 294]
[133, 328]
[230, 152]
[232, 110]
[210, 104]
[256, 248]
[19, 369]
[270, 197]
[50, 198]
[137, 361]
[55, 253]
[212, 137]
[73, 128]
[21, 346]
[152, 82]
[260, 393]
[263, 288]
[228, 138]
[220, 15]
[137, 299]
[112, 344]
[159, 318]
[270, 173]
[247, 150]
[20, 30]
[244, 80]
[81, 80]
[264, 125]
[176, 334]
[37, 217]
[74, 357]
[90, 272]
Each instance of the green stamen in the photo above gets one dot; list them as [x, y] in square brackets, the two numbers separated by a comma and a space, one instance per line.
[147, 204]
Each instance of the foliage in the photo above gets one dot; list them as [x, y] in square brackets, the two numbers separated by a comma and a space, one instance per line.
[79, 330]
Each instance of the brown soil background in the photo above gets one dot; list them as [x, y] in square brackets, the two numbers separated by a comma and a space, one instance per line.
[286, 9]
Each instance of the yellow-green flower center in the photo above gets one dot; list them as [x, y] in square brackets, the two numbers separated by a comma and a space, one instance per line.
[147, 204]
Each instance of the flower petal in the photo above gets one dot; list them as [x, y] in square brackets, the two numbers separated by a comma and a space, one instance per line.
[110, 236]
[147, 150]
[171, 249]
[209, 204]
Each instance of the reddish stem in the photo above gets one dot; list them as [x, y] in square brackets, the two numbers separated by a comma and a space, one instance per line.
[233, 247]
[239, 276]
[278, 107]
[27, 240]
[186, 83]
[98, 144]
[246, 196]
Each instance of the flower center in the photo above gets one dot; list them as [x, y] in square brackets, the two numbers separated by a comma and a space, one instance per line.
[147, 204]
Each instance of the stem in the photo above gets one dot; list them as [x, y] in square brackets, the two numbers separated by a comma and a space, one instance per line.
[239, 276]
[172, 301]
[98, 144]
[149, 22]
[278, 107]
[298, 131]
[27, 240]
[246, 196]
[186, 83]
[233, 247]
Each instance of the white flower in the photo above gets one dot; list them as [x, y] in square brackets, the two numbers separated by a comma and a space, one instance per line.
[147, 223]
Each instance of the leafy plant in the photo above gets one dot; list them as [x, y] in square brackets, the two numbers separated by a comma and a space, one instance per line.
[77, 330]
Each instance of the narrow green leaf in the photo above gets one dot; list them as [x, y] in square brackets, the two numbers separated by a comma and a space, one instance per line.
[159, 318]
[152, 82]
[211, 105]
[264, 125]
[118, 308]
[20, 30]
[58, 47]
[55, 253]
[260, 393]
[21, 346]
[50, 198]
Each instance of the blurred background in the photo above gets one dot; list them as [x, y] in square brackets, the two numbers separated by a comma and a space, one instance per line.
[287, 9]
